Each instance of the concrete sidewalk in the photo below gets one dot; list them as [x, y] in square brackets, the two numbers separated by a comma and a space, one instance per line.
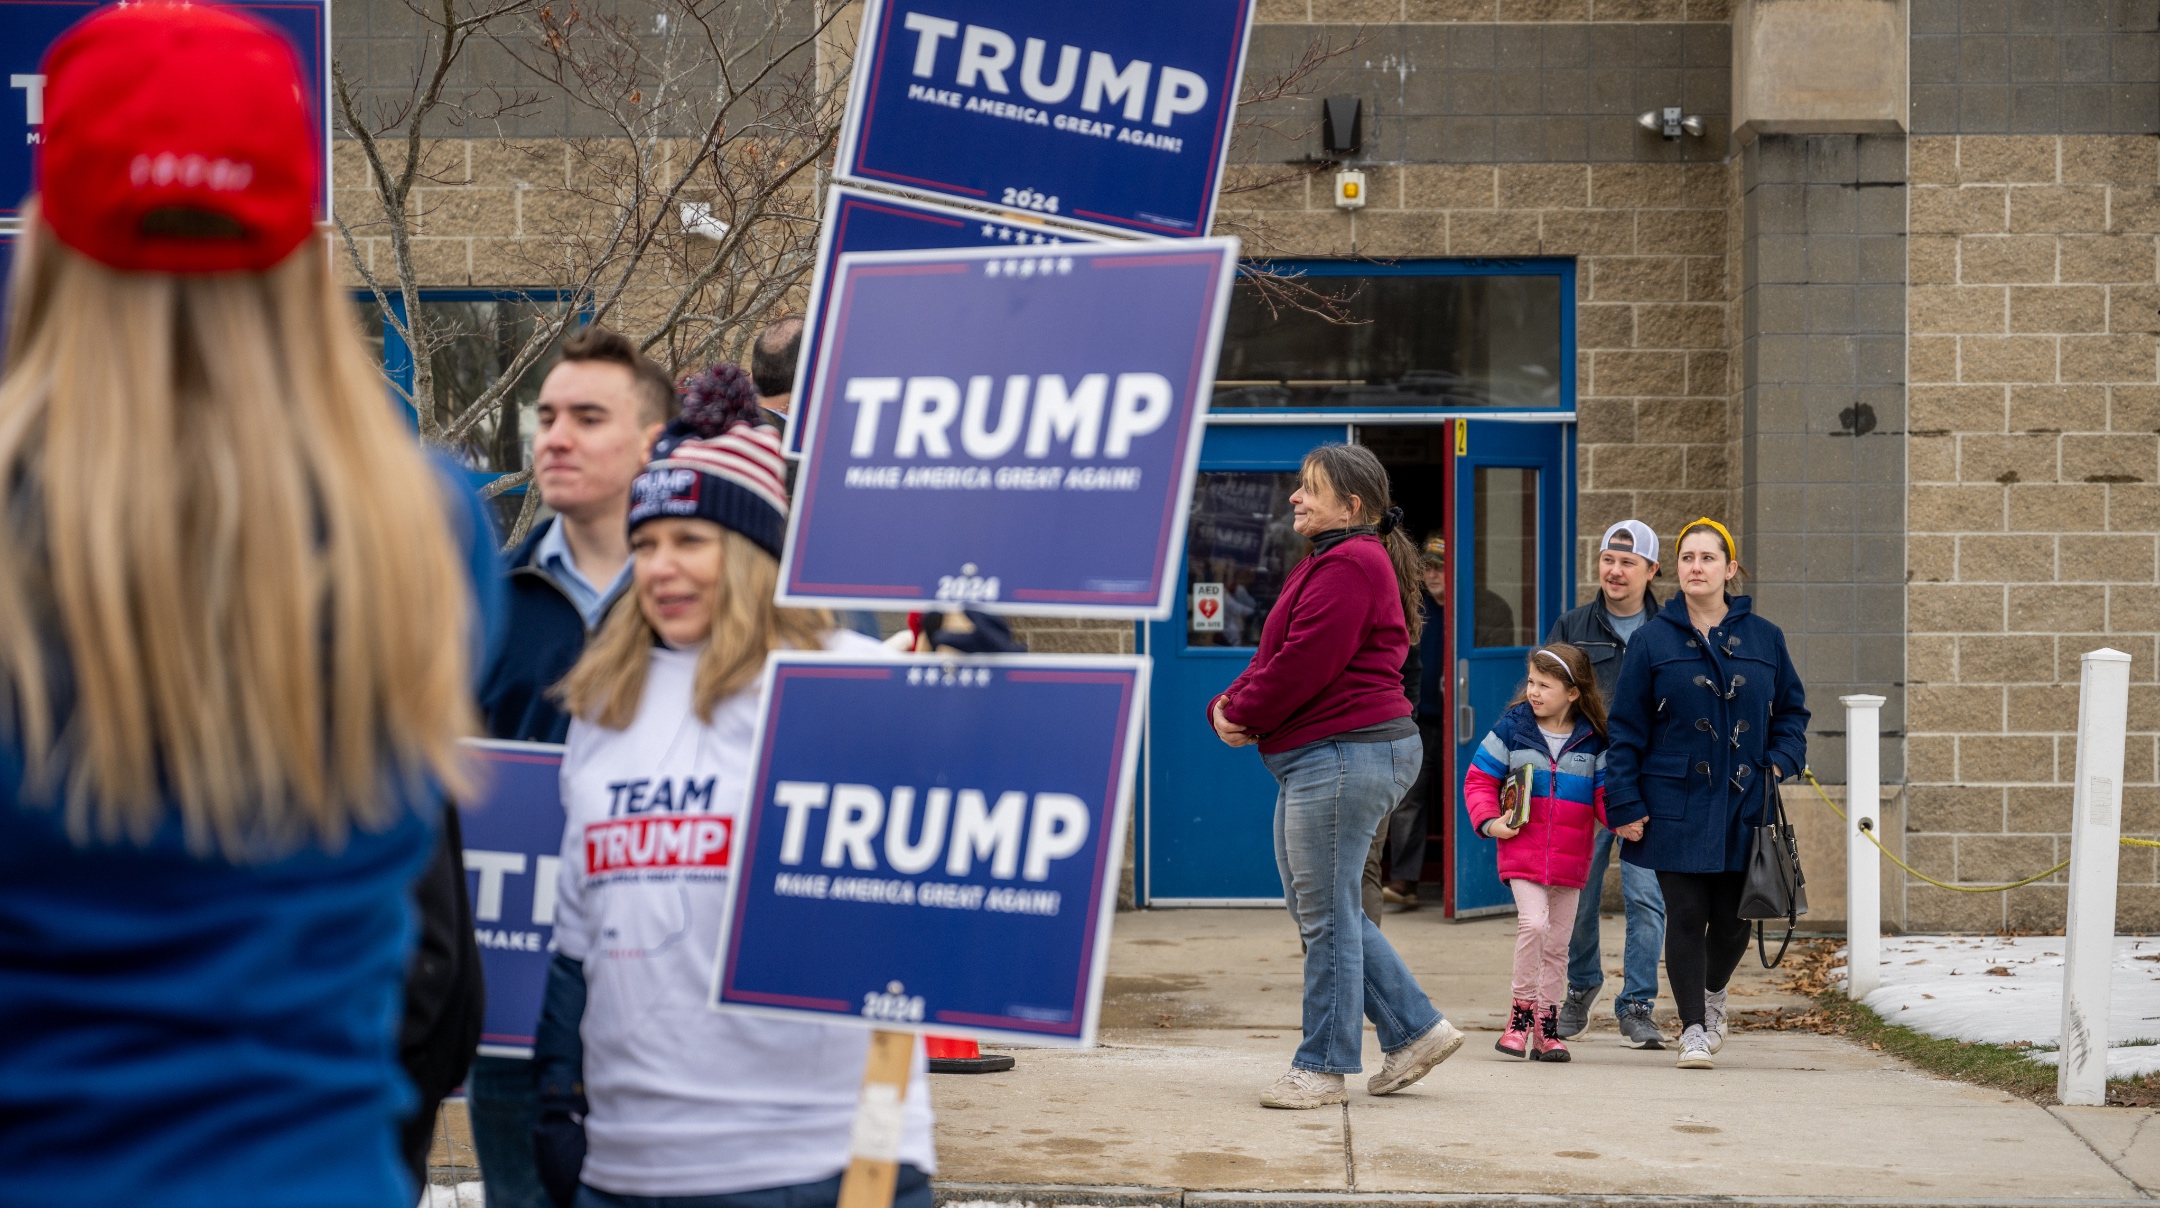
[1202, 1012]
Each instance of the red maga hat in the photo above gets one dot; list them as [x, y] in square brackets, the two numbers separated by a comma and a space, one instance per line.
[176, 140]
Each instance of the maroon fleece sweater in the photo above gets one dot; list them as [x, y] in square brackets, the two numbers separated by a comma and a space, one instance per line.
[1331, 654]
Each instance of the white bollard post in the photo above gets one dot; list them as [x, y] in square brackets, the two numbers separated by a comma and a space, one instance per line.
[2095, 825]
[1863, 864]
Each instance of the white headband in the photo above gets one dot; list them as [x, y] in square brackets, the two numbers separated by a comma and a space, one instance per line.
[1557, 659]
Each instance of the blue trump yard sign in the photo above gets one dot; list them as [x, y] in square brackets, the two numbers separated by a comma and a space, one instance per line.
[856, 221]
[952, 866]
[1005, 429]
[29, 27]
[513, 849]
[1114, 114]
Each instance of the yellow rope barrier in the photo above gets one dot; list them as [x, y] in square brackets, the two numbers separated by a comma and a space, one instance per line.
[1869, 832]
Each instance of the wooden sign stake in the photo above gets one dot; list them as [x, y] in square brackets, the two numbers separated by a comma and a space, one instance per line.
[874, 1146]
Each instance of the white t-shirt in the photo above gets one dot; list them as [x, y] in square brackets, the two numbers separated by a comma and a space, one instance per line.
[1554, 742]
[686, 1101]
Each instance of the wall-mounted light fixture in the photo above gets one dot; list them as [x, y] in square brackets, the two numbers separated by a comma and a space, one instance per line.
[1350, 190]
[1342, 126]
[1670, 124]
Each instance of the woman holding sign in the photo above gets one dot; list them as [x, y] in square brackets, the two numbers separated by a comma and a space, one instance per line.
[1323, 699]
[671, 1101]
[237, 612]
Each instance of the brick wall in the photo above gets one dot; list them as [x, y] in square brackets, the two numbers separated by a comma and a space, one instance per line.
[2034, 506]
[1651, 292]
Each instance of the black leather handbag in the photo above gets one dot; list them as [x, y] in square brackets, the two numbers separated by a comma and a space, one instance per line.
[1776, 888]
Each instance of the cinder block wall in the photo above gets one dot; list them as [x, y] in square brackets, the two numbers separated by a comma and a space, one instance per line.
[2034, 503]
[1652, 300]
[1507, 129]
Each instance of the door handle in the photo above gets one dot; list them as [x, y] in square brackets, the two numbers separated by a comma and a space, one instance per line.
[1465, 716]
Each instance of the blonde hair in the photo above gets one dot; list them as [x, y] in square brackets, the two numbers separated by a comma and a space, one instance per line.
[609, 679]
[243, 553]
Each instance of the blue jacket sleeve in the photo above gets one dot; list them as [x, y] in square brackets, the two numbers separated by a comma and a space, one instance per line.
[558, 1053]
[1787, 745]
[474, 529]
[558, 1134]
[1634, 712]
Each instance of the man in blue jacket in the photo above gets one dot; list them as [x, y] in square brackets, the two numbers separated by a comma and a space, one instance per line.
[600, 408]
[1627, 562]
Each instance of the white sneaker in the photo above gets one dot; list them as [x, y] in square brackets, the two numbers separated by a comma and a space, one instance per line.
[1416, 1059]
[1305, 1088]
[1715, 1025]
[1695, 1049]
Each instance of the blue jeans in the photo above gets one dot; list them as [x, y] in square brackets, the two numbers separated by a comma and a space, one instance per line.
[1333, 798]
[500, 1097]
[1645, 930]
[912, 1191]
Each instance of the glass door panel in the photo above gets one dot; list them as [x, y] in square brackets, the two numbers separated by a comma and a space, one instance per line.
[1239, 549]
[1504, 568]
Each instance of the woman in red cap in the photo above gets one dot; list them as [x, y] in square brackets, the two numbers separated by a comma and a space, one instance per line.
[236, 627]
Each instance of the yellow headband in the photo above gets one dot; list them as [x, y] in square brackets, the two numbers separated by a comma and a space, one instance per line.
[1731, 554]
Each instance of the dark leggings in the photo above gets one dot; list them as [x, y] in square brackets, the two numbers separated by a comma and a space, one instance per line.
[1705, 937]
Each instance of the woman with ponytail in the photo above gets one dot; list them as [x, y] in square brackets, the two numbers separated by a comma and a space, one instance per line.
[237, 627]
[1323, 700]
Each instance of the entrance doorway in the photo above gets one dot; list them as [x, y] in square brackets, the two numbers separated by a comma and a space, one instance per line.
[1498, 492]
[1460, 375]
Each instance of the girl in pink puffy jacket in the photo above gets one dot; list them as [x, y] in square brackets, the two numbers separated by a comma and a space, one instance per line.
[1556, 728]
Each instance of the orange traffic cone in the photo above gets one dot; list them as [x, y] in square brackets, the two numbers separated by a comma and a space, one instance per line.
[949, 1056]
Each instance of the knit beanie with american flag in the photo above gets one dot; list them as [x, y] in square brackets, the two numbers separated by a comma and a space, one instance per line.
[717, 462]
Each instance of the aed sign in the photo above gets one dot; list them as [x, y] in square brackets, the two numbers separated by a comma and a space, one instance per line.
[953, 866]
[1114, 114]
[1011, 430]
[856, 221]
[513, 852]
[1206, 611]
[28, 28]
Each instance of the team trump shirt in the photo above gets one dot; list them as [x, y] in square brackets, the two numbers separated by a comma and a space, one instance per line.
[685, 1101]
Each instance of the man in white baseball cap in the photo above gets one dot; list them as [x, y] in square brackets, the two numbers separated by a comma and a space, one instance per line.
[1627, 562]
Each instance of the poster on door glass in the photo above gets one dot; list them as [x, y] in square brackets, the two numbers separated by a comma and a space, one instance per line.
[1241, 542]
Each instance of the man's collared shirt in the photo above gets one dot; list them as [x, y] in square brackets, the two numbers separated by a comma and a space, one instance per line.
[553, 557]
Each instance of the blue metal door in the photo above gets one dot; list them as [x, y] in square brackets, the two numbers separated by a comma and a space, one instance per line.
[1207, 832]
[1514, 518]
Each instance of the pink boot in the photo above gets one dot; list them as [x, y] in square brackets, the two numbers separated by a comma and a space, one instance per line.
[1544, 1046]
[1522, 1020]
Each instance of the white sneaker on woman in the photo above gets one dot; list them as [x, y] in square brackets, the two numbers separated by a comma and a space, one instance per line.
[1416, 1059]
[1715, 1025]
[1305, 1088]
[1695, 1049]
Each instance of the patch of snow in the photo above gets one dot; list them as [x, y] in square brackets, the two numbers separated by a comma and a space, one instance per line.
[2008, 990]
[2134, 1061]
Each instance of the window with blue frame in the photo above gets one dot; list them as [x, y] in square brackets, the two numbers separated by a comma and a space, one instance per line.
[1401, 334]
[477, 334]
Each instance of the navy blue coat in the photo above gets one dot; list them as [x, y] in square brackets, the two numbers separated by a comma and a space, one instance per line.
[544, 636]
[1694, 726]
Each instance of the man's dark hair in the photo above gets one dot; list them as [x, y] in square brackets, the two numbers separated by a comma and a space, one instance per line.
[772, 357]
[656, 391]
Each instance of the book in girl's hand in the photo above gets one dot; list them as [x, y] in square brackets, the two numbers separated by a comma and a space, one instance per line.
[1515, 797]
